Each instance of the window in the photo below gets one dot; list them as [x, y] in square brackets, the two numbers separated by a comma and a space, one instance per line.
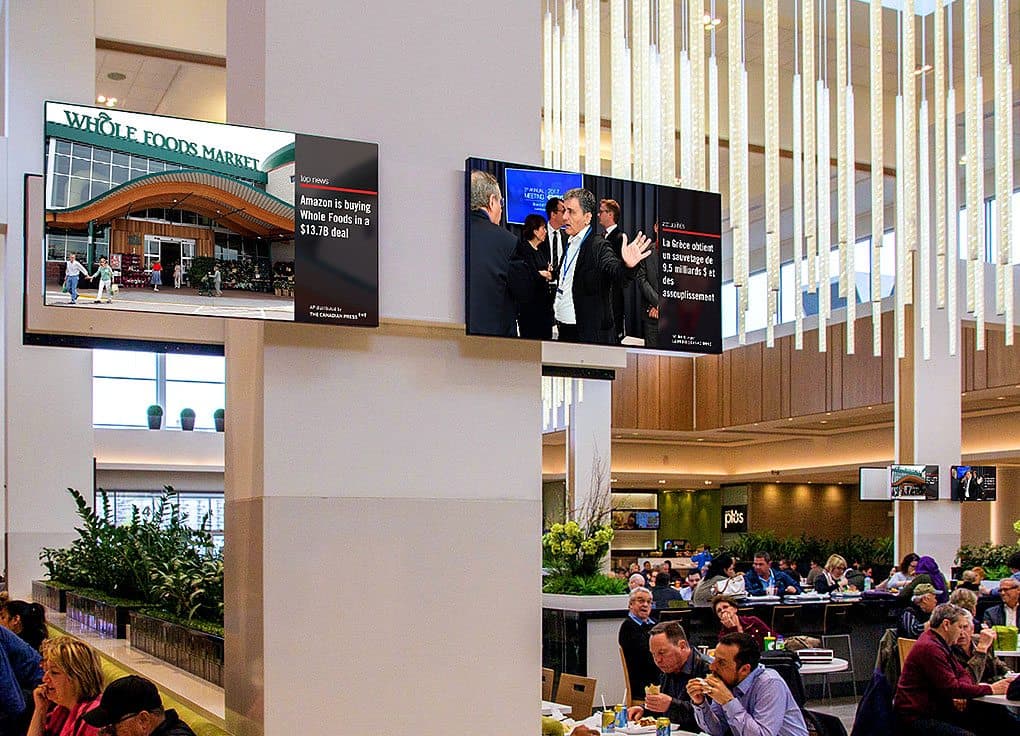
[197, 506]
[125, 384]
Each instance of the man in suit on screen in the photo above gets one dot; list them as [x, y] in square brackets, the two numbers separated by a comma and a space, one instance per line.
[583, 307]
[491, 258]
[609, 219]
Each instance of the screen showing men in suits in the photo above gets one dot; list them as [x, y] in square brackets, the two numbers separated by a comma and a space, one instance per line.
[972, 482]
[600, 261]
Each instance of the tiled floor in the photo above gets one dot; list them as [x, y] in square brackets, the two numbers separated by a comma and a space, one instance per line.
[843, 708]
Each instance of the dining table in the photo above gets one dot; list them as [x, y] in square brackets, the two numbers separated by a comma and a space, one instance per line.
[548, 707]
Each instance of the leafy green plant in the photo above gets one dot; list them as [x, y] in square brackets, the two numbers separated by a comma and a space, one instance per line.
[155, 558]
[154, 410]
[855, 548]
[218, 414]
[188, 413]
[987, 555]
[584, 585]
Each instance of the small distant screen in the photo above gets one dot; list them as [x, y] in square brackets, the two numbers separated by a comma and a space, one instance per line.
[635, 519]
[527, 191]
[913, 482]
[873, 484]
[972, 482]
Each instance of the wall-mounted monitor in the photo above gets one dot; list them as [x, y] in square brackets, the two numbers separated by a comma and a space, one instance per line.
[674, 545]
[873, 484]
[972, 482]
[148, 214]
[528, 190]
[625, 519]
[914, 482]
[574, 281]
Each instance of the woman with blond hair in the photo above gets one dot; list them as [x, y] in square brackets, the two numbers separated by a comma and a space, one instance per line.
[72, 683]
[833, 578]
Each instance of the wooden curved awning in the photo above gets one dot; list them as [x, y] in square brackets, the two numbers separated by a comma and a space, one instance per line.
[233, 204]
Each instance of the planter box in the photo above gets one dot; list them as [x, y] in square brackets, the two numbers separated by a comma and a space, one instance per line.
[195, 651]
[109, 620]
[49, 595]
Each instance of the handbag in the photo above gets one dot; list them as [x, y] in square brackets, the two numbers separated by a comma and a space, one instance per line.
[735, 586]
[114, 288]
[64, 287]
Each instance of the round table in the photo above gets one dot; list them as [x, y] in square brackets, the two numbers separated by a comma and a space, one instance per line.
[837, 664]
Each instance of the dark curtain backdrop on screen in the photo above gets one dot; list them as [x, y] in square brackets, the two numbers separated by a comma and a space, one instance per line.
[637, 205]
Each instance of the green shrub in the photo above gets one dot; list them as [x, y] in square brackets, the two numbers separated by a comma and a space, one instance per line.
[987, 556]
[855, 548]
[584, 585]
[155, 558]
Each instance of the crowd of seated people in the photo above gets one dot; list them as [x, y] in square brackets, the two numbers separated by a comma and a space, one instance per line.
[938, 692]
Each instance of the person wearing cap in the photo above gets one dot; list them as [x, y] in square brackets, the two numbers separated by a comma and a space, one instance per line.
[131, 706]
[914, 619]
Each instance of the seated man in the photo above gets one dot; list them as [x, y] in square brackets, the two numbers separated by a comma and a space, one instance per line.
[1005, 614]
[761, 578]
[679, 663]
[663, 592]
[633, 640]
[932, 679]
[687, 591]
[742, 697]
[914, 618]
[637, 580]
[132, 705]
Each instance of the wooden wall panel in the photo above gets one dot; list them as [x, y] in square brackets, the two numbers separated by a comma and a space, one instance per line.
[120, 229]
[676, 402]
[708, 390]
[1003, 362]
[745, 400]
[966, 344]
[807, 377]
[726, 374]
[773, 385]
[836, 351]
[625, 395]
[888, 359]
[980, 358]
[648, 391]
[861, 384]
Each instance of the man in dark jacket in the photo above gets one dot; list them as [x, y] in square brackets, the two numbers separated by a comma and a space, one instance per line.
[762, 578]
[583, 306]
[679, 664]
[491, 258]
[633, 640]
[132, 705]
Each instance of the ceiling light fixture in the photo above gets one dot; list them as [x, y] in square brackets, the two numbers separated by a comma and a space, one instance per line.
[923, 69]
[100, 99]
[708, 482]
[116, 76]
[662, 482]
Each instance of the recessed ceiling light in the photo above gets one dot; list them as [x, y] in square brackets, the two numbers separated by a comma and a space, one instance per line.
[870, 408]
[1000, 398]
[922, 69]
[701, 439]
[790, 419]
[100, 99]
[662, 482]
[116, 76]
[825, 421]
[111, 101]
[708, 482]
[612, 480]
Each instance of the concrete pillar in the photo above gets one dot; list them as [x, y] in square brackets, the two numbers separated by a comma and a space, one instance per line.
[589, 443]
[47, 392]
[384, 486]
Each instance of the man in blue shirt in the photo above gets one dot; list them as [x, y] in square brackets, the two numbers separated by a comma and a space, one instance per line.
[702, 557]
[761, 578]
[742, 697]
[633, 640]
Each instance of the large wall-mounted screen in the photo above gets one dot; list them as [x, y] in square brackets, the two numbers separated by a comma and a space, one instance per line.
[154, 214]
[972, 482]
[557, 255]
[913, 482]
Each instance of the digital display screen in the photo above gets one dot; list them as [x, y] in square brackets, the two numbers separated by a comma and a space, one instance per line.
[527, 191]
[635, 519]
[972, 482]
[913, 482]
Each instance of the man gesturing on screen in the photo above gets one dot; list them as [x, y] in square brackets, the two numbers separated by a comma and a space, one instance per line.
[583, 306]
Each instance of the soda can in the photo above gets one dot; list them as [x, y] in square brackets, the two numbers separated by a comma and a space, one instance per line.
[608, 721]
[621, 717]
[661, 727]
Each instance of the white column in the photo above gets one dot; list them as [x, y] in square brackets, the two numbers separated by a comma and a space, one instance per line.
[47, 392]
[589, 441]
[384, 487]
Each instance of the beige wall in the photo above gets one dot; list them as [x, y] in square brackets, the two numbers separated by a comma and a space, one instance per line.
[818, 510]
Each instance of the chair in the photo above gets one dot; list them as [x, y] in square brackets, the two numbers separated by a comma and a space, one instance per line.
[787, 664]
[628, 696]
[905, 646]
[823, 724]
[547, 683]
[786, 619]
[577, 692]
[835, 626]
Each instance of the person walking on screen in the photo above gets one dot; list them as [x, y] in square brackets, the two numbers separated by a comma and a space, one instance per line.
[178, 276]
[71, 275]
[583, 307]
[156, 279]
[217, 280]
[105, 274]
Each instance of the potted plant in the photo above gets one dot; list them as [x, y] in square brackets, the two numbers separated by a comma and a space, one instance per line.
[187, 419]
[155, 413]
[218, 416]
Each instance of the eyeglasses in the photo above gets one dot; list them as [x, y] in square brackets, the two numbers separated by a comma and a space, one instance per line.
[111, 730]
